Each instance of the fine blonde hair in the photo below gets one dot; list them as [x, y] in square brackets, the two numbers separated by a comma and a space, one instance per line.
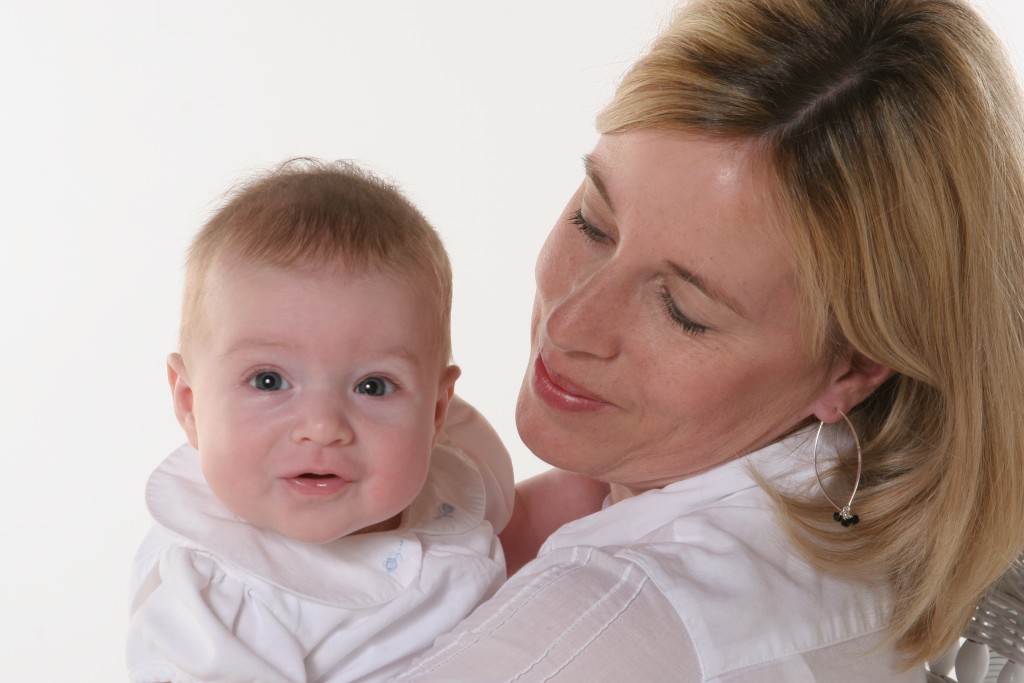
[308, 213]
[892, 130]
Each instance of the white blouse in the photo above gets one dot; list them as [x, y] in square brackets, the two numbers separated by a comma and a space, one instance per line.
[695, 582]
[215, 598]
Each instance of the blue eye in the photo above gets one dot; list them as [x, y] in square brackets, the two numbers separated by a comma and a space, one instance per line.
[269, 381]
[375, 386]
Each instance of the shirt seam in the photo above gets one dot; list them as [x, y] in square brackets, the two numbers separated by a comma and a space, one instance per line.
[630, 569]
[508, 610]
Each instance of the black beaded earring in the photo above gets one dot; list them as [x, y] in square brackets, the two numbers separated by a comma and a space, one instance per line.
[843, 514]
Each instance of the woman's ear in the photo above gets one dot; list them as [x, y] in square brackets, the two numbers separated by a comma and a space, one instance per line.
[181, 395]
[445, 391]
[854, 378]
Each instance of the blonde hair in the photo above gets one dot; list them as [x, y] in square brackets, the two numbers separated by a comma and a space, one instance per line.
[893, 131]
[308, 213]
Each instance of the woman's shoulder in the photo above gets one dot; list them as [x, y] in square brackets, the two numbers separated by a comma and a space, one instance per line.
[740, 588]
[746, 596]
[744, 603]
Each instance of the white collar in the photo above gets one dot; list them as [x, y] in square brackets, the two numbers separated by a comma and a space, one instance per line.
[356, 571]
[787, 464]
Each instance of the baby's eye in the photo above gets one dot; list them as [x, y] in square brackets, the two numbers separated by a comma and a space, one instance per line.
[269, 381]
[375, 386]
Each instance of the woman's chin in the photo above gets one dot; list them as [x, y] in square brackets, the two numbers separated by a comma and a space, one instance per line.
[549, 438]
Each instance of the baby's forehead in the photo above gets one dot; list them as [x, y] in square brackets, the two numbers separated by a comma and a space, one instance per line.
[415, 279]
[234, 277]
[231, 263]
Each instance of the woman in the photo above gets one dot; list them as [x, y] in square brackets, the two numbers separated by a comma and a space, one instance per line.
[799, 212]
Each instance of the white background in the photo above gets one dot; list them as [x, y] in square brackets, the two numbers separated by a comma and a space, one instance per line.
[121, 123]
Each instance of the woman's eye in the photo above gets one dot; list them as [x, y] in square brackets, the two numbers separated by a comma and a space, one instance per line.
[585, 227]
[269, 381]
[677, 317]
[375, 386]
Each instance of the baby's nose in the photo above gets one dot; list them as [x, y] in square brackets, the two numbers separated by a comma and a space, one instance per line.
[323, 423]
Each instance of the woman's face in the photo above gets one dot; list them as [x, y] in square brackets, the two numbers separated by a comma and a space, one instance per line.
[665, 334]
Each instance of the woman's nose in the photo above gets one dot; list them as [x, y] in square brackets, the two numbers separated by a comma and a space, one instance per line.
[585, 319]
[322, 421]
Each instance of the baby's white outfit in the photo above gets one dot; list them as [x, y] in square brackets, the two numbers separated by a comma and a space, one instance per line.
[215, 598]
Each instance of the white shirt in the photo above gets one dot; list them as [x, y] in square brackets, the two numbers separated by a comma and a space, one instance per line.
[215, 598]
[692, 582]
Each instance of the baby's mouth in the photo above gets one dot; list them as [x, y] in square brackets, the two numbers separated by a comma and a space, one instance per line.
[317, 483]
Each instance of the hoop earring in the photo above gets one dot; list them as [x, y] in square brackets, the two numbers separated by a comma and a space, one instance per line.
[843, 514]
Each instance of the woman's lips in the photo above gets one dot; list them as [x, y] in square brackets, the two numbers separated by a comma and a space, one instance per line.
[559, 392]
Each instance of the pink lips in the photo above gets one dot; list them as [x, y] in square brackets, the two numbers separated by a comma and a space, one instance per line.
[312, 484]
[559, 392]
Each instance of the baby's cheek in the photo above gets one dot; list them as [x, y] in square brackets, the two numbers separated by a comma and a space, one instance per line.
[400, 487]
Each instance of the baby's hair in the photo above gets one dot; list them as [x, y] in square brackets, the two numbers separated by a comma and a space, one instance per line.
[308, 213]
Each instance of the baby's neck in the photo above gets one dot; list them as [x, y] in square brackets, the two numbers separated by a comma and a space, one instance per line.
[387, 525]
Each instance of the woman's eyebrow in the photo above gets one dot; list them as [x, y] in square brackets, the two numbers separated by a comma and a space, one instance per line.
[708, 289]
[590, 168]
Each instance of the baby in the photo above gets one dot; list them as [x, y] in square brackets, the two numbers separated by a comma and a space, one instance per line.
[335, 508]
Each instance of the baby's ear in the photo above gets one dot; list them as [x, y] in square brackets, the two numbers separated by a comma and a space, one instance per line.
[181, 395]
[445, 391]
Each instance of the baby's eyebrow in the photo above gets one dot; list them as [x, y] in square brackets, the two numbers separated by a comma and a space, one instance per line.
[590, 167]
[401, 352]
[404, 353]
[256, 343]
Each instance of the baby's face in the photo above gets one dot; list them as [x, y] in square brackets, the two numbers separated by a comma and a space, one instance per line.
[314, 397]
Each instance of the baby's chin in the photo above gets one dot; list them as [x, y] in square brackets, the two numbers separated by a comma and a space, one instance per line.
[322, 536]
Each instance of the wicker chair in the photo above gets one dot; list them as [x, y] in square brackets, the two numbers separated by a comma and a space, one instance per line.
[992, 649]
